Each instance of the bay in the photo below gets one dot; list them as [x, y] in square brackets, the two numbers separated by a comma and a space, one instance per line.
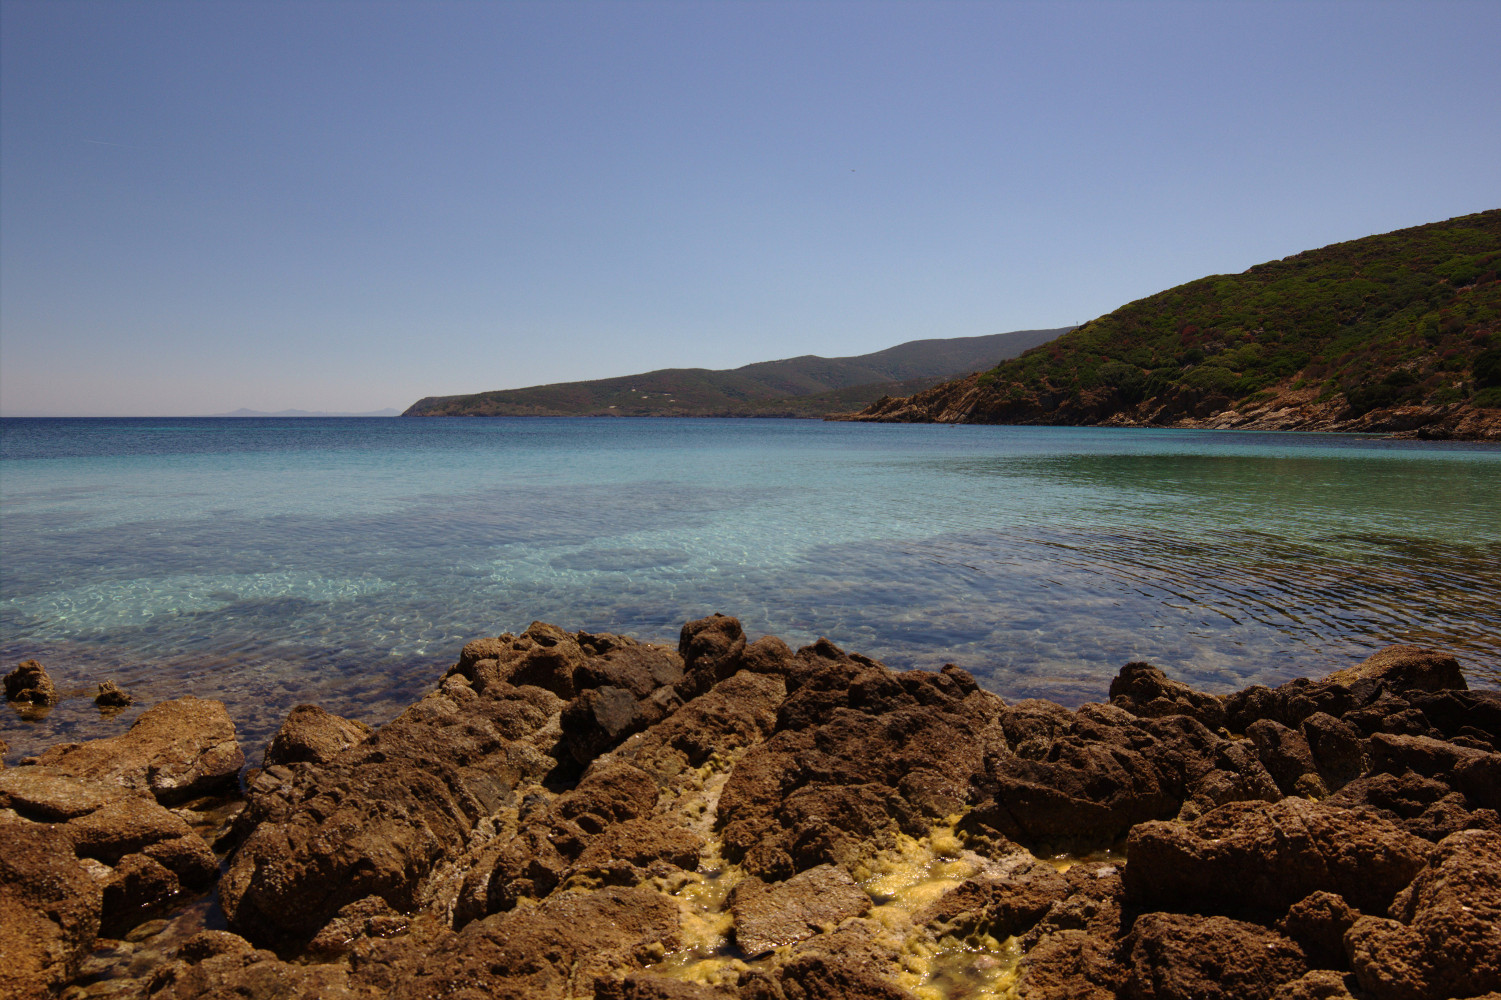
[271, 562]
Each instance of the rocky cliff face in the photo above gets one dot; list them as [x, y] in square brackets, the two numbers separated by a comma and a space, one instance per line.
[583, 815]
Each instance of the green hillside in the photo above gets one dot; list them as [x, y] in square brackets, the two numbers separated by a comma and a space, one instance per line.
[808, 386]
[1348, 334]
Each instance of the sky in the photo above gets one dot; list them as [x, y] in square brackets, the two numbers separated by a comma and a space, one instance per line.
[347, 206]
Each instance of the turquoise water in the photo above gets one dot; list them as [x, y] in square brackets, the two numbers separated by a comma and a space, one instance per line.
[271, 562]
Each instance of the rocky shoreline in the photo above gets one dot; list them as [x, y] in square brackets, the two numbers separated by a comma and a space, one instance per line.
[583, 815]
[973, 400]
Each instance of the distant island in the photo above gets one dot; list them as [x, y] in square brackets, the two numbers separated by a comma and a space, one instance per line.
[1397, 333]
[389, 411]
[807, 386]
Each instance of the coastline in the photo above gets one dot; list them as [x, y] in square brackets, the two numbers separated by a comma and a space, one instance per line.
[576, 814]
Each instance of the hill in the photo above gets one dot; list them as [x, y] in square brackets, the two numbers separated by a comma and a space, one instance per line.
[807, 386]
[1397, 333]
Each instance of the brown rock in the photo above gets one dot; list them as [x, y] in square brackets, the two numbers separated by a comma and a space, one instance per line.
[1285, 754]
[820, 976]
[556, 949]
[49, 910]
[827, 786]
[769, 916]
[1175, 956]
[175, 750]
[1070, 965]
[1320, 984]
[111, 697]
[1444, 936]
[645, 986]
[1249, 857]
[313, 735]
[1318, 922]
[30, 688]
[1144, 690]
[1005, 899]
[1403, 668]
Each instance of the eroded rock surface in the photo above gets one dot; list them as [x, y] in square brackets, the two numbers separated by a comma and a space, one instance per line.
[583, 815]
[175, 750]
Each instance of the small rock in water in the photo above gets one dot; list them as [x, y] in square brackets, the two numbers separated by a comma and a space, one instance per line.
[29, 684]
[111, 697]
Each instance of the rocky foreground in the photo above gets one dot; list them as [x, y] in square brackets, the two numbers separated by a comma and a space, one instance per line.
[577, 815]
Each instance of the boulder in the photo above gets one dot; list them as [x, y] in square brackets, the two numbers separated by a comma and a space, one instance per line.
[1144, 690]
[1005, 899]
[1070, 965]
[30, 685]
[1318, 922]
[111, 697]
[49, 909]
[770, 916]
[176, 750]
[557, 949]
[144, 857]
[1177, 956]
[1405, 668]
[851, 743]
[1257, 857]
[1442, 938]
[310, 734]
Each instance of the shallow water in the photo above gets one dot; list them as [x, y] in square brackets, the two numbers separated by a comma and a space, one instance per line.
[344, 562]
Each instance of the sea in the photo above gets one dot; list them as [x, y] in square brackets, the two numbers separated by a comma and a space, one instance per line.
[344, 562]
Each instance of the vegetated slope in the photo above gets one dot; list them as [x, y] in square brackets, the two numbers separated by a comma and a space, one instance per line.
[808, 386]
[1399, 332]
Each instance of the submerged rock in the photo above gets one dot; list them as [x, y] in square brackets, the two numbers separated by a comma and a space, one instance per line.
[111, 697]
[30, 685]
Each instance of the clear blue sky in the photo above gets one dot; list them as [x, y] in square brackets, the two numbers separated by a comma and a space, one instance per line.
[347, 206]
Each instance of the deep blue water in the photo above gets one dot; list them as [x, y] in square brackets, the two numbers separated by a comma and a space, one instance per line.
[269, 562]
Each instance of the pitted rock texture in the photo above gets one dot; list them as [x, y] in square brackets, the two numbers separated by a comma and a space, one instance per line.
[565, 813]
[175, 751]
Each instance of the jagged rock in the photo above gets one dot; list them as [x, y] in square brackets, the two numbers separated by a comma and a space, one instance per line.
[1335, 747]
[1092, 904]
[1070, 965]
[30, 684]
[370, 917]
[769, 916]
[1405, 668]
[645, 986]
[1318, 922]
[1247, 857]
[49, 909]
[110, 696]
[820, 976]
[556, 949]
[1319, 984]
[377, 818]
[1144, 690]
[825, 787]
[1286, 755]
[1475, 773]
[313, 735]
[1004, 899]
[1422, 806]
[1175, 956]
[175, 750]
[147, 856]
[1443, 938]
